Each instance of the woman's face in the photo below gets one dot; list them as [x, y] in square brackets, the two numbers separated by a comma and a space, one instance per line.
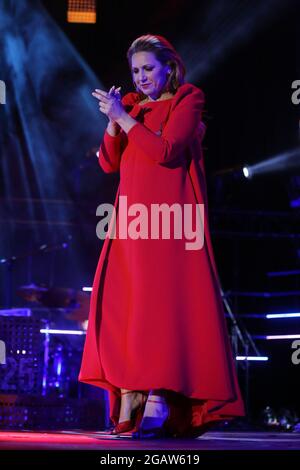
[149, 75]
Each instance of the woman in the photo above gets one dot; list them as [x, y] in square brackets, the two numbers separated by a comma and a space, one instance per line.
[157, 338]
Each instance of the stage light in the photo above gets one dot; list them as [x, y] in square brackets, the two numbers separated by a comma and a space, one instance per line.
[294, 190]
[62, 332]
[283, 315]
[247, 172]
[290, 272]
[282, 162]
[82, 11]
[59, 367]
[285, 161]
[282, 337]
[295, 203]
[236, 172]
[252, 358]
[87, 289]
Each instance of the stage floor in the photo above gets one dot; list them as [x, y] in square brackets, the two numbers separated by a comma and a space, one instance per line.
[101, 441]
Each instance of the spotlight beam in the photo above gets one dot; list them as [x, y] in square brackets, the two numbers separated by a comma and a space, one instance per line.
[283, 162]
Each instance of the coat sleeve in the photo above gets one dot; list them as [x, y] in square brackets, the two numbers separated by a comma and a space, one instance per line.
[182, 126]
[112, 147]
[110, 152]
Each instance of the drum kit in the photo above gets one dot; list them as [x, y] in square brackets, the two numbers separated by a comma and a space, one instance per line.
[62, 312]
[74, 303]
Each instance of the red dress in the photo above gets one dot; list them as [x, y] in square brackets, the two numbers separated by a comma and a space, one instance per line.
[156, 315]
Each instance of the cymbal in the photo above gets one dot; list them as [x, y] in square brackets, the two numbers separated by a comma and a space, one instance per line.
[58, 297]
[32, 287]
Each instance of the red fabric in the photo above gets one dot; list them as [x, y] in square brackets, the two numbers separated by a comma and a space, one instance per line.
[156, 314]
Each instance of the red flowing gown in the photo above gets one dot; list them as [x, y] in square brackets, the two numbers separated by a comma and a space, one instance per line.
[156, 316]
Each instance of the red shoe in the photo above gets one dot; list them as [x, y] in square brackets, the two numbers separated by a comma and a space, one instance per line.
[133, 423]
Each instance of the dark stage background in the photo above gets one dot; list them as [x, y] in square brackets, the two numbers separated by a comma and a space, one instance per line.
[245, 56]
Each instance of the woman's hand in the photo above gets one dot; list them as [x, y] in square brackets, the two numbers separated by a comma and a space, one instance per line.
[110, 103]
[115, 92]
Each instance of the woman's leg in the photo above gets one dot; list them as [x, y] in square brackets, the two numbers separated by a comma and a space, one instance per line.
[156, 410]
[131, 411]
[166, 413]
[130, 401]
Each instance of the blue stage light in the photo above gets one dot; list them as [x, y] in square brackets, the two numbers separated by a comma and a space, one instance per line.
[283, 315]
[252, 358]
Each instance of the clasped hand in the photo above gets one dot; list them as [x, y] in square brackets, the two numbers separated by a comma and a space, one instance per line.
[110, 102]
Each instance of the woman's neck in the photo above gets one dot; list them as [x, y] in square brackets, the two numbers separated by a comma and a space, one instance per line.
[164, 96]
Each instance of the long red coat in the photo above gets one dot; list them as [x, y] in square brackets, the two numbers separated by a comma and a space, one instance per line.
[156, 314]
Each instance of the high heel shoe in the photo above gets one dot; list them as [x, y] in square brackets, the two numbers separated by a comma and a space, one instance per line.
[153, 428]
[133, 423]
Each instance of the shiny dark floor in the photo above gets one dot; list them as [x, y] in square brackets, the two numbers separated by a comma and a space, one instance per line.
[84, 440]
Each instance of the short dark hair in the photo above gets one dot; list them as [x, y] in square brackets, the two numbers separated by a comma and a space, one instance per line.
[165, 53]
